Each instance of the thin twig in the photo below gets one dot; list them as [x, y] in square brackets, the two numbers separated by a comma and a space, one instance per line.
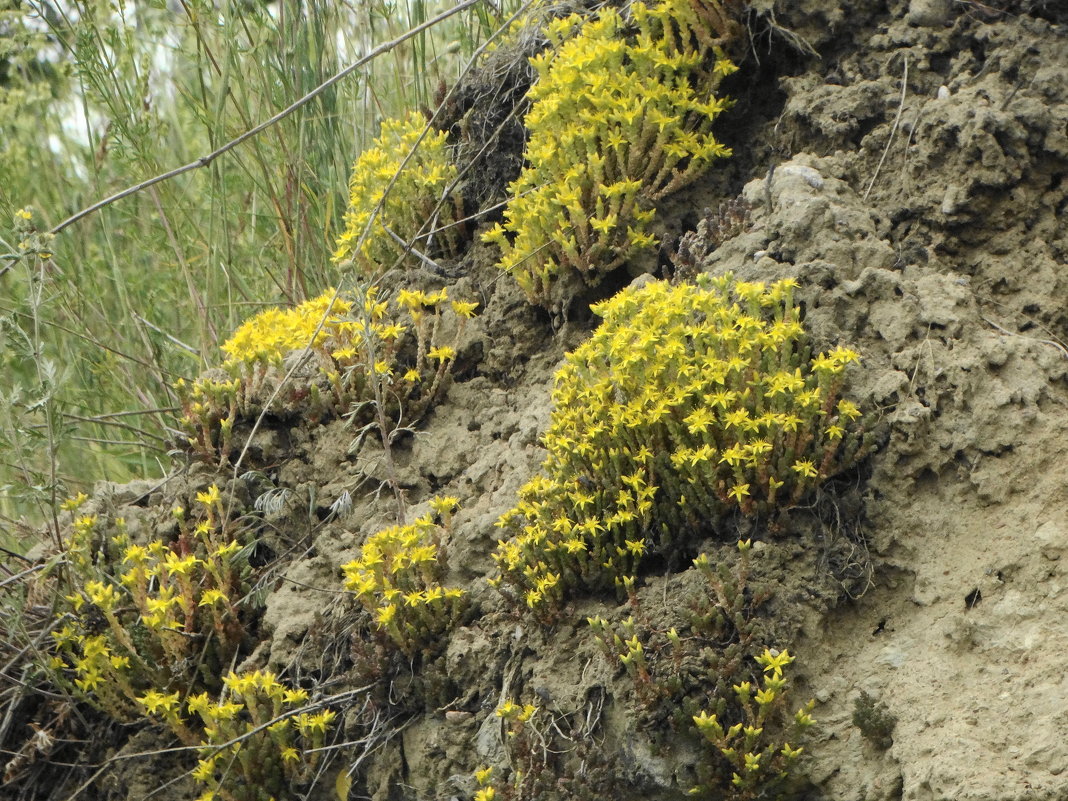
[204, 161]
[893, 130]
[1051, 342]
[161, 332]
[410, 248]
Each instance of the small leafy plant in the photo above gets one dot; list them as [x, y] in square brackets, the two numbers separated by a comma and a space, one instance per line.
[397, 579]
[697, 675]
[551, 755]
[758, 746]
[697, 657]
[874, 720]
[401, 196]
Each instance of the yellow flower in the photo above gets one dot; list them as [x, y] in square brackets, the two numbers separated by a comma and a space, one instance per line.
[386, 615]
[316, 723]
[764, 697]
[295, 697]
[120, 662]
[442, 353]
[444, 505]
[210, 498]
[71, 504]
[156, 702]
[774, 661]
[103, 595]
[198, 704]
[212, 597]
[508, 710]
[182, 566]
[739, 491]
[464, 308]
[848, 410]
[226, 551]
[388, 333]
[205, 771]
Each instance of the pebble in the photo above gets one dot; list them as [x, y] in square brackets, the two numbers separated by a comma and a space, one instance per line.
[929, 13]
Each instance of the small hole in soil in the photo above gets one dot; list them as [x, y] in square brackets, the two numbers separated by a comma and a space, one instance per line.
[972, 599]
[261, 555]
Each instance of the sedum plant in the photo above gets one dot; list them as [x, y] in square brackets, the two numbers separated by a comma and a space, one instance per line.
[758, 746]
[397, 579]
[149, 631]
[358, 358]
[687, 403]
[698, 676]
[254, 740]
[620, 117]
[400, 195]
[256, 744]
[678, 665]
[155, 617]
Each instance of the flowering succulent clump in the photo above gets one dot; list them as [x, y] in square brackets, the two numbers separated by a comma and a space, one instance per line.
[149, 631]
[686, 403]
[418, 209]
[758, 746]
[151, 618]
[397, 579]
[256, 746]
[621, 116]
[356, 344]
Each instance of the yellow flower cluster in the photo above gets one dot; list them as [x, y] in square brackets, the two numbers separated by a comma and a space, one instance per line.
[516, 713]
[356, 343]
[150, 630]
[484, 779]
[168, 608]
[397, 579]
[621, 116]
[419, 207]
[268, 336]
[758, 748]
[255, 746]
[688, 401]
